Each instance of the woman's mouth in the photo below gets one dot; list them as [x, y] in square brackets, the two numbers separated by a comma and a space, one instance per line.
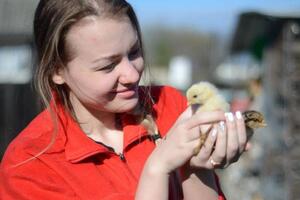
[126, 92]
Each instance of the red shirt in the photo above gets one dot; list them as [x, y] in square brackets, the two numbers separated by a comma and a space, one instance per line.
[76, 167]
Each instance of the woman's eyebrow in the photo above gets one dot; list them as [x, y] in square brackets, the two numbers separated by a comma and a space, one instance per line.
[135, 44]
[115, 56]
[111, 57]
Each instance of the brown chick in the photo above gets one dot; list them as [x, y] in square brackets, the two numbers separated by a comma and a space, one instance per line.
[254, 119]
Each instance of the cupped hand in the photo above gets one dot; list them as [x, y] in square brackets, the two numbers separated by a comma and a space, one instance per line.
[177, 147]
[224, 145]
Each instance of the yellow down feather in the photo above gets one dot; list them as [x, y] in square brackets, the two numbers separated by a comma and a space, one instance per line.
[207, 96]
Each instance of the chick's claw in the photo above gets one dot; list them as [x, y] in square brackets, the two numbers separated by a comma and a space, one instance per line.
[202, 139]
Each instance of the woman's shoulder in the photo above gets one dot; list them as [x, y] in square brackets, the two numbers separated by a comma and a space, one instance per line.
[167, 99]
[32, 138]
[167, 104]
[166, 95]
[37, 128]
[164, 92]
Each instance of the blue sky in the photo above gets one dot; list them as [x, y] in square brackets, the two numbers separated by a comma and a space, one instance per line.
[212, 15]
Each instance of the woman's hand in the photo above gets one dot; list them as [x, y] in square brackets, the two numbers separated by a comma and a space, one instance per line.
[177, 148]
[224, 144]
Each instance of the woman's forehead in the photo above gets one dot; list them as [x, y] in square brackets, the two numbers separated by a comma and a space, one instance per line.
[100, 26]
[96, 35]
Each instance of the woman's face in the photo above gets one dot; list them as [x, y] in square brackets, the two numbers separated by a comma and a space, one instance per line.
[106, 67]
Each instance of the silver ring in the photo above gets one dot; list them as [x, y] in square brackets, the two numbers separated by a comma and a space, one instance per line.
[214, 163]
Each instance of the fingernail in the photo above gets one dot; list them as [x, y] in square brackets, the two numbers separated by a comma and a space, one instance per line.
[214, 132]
[238, 114]
[222, 126]
[229, 116]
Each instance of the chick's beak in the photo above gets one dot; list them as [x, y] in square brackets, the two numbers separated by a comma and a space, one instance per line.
[263, 123]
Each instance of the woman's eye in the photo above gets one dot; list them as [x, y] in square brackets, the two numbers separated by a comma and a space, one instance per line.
[108, 68]
[134, 54]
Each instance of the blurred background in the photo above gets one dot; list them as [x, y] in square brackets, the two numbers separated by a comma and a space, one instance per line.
[250, 49]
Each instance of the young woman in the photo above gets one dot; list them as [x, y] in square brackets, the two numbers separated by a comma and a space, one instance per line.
[97, 137]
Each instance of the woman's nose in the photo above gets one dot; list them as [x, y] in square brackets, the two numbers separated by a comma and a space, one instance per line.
[128, 72]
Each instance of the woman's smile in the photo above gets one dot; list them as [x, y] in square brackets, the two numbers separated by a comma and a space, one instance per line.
[127, 93]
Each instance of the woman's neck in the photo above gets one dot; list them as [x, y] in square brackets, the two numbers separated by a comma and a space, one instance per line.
[92, 120]
[100, 126]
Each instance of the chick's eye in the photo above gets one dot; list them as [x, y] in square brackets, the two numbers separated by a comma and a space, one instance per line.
[195, 96]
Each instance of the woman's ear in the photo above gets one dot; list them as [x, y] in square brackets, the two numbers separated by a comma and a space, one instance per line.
[58, 78]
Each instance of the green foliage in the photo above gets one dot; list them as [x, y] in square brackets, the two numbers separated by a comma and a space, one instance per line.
[162, 43]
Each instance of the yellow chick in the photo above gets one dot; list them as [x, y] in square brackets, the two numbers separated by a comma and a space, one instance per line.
[207, 96]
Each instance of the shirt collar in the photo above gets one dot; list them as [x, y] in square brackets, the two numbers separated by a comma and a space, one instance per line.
[132, 129]
[76, 143]
[79, 147]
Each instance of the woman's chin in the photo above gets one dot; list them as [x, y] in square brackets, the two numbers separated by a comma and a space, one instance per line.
[125, 105]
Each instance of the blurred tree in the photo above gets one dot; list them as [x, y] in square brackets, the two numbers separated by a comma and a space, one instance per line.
[204, 49]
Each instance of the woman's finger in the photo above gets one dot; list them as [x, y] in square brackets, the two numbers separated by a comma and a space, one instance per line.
[232, 138]
[185, 114]
[248, 146]
[193, 134]
[202, 158]
[241, 129]
[219, 154]
[204, 118]
[209, 143]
